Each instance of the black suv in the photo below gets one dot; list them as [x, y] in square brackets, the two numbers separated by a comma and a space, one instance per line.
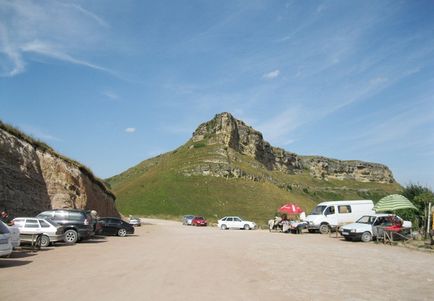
[78, 223]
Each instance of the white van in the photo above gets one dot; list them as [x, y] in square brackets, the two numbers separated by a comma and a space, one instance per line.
[328, 215]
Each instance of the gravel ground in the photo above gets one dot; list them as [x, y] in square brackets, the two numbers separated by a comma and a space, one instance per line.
[168, 261]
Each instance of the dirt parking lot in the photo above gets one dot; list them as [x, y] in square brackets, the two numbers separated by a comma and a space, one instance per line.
[168, 261]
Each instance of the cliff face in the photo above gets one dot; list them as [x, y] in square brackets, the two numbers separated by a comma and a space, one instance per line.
[236, 135]
[33, 180]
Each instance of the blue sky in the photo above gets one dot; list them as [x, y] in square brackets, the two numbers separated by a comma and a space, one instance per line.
[111, 83]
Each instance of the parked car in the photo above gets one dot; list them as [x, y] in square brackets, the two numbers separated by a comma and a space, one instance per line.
[199, 221]
[328, 215]
[235, 222]
[5, 240]
[77, 223]
[50, 230]
[366, 228]
[114, 226]
[187, 219]
[135, 221]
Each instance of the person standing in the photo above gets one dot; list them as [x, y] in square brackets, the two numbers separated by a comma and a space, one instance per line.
[4, 217]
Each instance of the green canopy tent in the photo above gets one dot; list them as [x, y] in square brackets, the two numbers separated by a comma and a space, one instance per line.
[392, 203]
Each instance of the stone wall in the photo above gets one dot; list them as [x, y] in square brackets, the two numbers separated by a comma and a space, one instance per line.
[32, 180]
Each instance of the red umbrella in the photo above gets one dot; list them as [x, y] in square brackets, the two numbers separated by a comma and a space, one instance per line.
[290, 209]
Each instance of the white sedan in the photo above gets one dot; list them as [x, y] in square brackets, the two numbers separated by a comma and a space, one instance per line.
[366, 227]
[235, 222]
[31, 226]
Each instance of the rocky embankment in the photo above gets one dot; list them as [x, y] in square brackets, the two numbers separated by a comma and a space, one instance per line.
[235, 135]
[34, 178]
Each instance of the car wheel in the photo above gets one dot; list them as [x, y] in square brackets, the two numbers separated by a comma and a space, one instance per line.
[246, 227]
[45, 241]
[224, 227]
[71, 236]
[324, 229]
[122, 232]
[366, 236]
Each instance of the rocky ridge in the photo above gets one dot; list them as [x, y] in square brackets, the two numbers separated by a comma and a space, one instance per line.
[33, 179]
[236, 136]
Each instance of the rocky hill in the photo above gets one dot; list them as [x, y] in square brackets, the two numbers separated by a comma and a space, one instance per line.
[33, 178]
[228, 168]
[225, 130]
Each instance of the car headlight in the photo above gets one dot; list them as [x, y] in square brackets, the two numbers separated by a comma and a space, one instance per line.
[353, 230]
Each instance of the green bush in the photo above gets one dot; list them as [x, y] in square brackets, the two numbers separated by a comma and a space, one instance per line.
[199, 144]
[420, 196]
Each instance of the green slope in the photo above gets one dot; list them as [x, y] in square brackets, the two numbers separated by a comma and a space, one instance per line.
[164, 186]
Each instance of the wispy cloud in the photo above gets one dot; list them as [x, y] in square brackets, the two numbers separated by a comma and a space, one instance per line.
[130, 130]
[278, 128]
[39, 133]
[47, 29]
[51, 51]
[401, 128]
[110, 94]
[272, 74]
[88, 13]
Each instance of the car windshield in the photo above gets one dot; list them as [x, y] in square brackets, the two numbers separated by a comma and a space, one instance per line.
[3, 228]
[318, 210]
[366, 219]
[45, 215]
[199, 217]
[50, 221]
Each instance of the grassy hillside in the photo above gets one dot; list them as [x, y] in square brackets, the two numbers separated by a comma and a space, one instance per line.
[164, 186]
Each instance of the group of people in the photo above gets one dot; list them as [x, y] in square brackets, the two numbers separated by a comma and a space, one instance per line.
[287, 224]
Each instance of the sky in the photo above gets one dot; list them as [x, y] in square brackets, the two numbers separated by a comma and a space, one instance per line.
[111, 83]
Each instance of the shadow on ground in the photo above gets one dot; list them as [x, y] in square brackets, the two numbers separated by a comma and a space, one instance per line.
[9, 263]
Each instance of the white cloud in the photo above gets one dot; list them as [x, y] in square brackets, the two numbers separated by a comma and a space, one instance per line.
[130, 130]
[46, 49]
[26, 27]
[271, 75]
[110, 94]
[277, 129]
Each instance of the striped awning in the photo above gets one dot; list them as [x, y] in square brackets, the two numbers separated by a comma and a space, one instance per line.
[393, 202]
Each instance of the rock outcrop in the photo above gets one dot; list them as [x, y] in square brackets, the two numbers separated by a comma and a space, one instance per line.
[33, 179]
[225, 130]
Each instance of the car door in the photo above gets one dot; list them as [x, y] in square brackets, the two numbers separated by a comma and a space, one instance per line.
[229, 222]
[112, 226]
[105, 226]
[31, 226]
[344, 215]
[330, 214]
[238, 223]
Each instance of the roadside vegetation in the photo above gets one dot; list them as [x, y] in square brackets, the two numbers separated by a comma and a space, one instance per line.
[420, 196]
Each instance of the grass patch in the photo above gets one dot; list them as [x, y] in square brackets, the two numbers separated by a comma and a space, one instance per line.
[160, 187]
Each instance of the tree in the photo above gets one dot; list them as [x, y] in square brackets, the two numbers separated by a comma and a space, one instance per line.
[420, 196]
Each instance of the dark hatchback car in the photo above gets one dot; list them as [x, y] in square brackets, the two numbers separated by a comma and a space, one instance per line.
[77, 223]
[114, 226]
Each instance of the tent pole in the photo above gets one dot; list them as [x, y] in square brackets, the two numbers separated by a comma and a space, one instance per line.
[428, 220]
